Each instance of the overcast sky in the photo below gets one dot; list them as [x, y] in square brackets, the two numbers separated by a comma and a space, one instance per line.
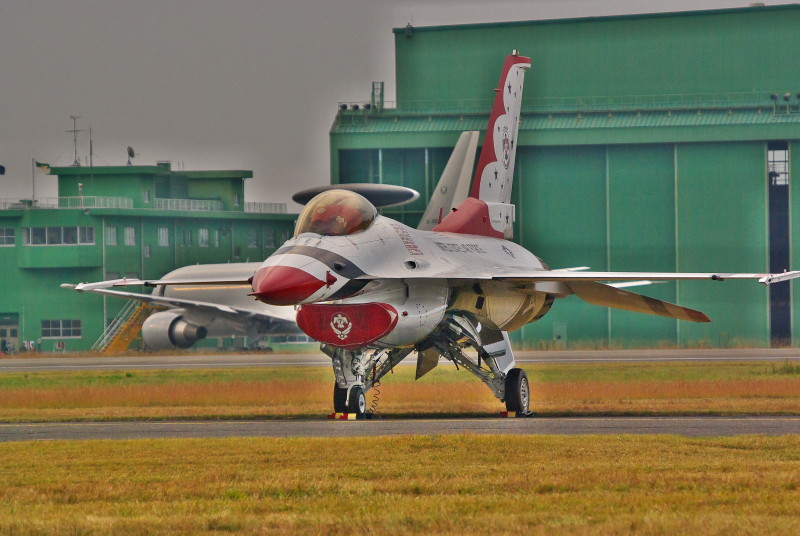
[211, 84]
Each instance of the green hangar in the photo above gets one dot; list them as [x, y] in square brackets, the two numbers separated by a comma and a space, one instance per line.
[660, 142]
[112, 222]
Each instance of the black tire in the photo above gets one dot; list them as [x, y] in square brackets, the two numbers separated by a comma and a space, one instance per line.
[339, 399]
[358, 401]
[518, 392]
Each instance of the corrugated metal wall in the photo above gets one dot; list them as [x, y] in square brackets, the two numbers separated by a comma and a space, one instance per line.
[649, 207]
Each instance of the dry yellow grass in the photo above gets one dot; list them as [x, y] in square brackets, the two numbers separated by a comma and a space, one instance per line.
[313, 399]
[557, 389]
[411, 485]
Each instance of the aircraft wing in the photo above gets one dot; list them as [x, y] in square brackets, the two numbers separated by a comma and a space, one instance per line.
[588, 287]
[267, 312]
[577, 276]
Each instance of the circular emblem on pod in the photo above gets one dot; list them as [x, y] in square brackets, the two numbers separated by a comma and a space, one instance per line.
[341, 325]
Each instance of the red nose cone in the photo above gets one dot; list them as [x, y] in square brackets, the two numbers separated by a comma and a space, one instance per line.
[284, 285]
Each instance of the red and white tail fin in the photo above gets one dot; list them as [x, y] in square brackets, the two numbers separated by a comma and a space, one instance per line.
[488, 210]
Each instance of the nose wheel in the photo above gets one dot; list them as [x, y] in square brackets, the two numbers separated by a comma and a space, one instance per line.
[518, 392]
[356, 403]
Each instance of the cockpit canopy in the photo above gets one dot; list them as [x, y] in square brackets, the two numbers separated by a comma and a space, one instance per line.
[336, 213]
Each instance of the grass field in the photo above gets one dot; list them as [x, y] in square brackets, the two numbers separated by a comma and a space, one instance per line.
[558, 389]
[460, 484]
[410, 485]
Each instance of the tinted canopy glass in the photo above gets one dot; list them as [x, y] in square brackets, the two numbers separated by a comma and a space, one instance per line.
[336, 213]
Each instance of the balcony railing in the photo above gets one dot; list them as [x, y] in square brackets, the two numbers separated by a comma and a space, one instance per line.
[204, 205]
[89, 201]
[81, 202]
[265, 208]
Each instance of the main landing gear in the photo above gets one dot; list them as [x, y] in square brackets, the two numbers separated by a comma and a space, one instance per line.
[357, 371]
[494, 365]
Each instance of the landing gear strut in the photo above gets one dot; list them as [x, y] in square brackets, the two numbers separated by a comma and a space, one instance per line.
[356, 373]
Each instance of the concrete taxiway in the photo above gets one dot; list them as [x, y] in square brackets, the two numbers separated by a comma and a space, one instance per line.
[682, 426]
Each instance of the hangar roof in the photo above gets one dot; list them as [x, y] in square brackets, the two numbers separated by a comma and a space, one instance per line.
[403, 30]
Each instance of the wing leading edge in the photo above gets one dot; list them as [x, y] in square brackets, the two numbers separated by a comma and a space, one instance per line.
[261, 310]
[568, 276]
[588, 287]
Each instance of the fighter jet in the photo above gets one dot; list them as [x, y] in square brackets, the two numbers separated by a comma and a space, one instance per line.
[373, 291]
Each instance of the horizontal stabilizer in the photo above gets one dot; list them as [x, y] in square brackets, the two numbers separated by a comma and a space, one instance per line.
[260, 310]
[607, 296]
[223, 280]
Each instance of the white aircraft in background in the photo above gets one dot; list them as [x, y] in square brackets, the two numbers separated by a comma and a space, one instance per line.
[372, 290]
[194, 312]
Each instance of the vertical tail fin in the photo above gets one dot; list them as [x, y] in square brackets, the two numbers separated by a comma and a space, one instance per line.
[495, 172]
[488, 210]
[453, 185]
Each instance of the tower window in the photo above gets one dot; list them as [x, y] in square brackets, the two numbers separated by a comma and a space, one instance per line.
[130, 236]
[7, 236]
[778, 163]
[163, 236]
[111, 236]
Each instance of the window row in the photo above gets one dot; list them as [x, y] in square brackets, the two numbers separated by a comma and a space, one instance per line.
[211, 238]
[67, 235]
[61, 329]
[57, 236]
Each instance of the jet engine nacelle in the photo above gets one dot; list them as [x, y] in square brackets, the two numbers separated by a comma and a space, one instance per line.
[168, 329]
[501, 305]
[398, 314]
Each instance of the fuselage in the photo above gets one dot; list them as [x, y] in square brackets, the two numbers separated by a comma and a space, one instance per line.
[392, 285]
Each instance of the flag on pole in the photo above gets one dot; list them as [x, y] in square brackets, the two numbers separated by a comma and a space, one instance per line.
[45, 168]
